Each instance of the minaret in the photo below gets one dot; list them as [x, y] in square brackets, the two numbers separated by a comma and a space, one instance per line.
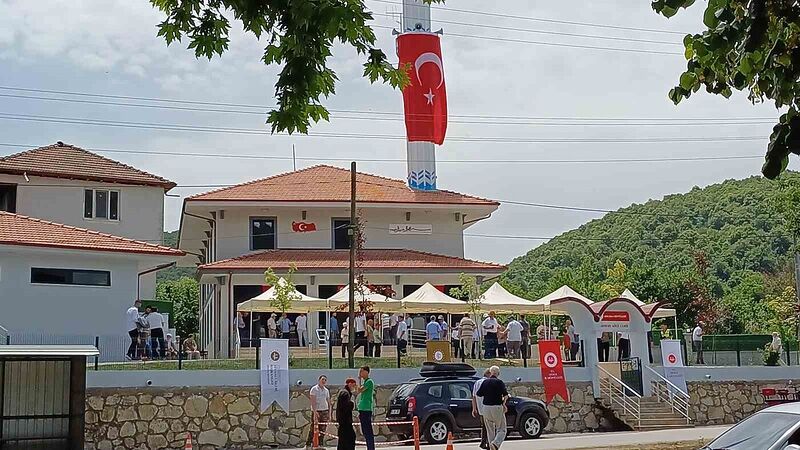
[421, 155]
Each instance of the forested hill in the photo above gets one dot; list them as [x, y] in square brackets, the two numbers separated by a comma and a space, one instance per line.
[712, 242]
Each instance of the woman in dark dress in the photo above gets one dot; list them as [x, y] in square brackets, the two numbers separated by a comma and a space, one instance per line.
[344, 416]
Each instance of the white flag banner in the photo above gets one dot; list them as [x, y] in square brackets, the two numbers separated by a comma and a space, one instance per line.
[672, 359]
[274, 373]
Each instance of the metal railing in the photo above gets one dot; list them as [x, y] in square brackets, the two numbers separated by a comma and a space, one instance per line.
[667, 391]
[621, 395]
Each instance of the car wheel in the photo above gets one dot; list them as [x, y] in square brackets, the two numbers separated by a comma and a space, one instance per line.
[530, 426]
[436, 429]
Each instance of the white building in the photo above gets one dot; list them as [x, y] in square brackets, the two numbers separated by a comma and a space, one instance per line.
[60, 280]
[69, 185]
[300, 218]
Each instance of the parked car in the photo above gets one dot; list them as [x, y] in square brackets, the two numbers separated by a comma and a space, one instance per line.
[774, 428]
[441, 398]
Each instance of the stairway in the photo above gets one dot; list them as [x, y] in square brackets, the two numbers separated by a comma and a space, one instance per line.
[653, 415]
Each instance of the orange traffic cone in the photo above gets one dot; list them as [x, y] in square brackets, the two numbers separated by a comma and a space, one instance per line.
[188, 445]
[449, 440]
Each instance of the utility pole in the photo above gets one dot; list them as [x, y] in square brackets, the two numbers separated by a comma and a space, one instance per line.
[421, 156]
[352, 230]
[797, 284]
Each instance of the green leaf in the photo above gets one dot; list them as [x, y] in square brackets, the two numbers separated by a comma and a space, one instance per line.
[688, 79]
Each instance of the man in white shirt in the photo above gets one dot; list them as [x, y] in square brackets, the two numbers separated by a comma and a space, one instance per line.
[157, 325]
[697, 342]
[477, 408]
[402, 335]
[514, 338]
[131, 316]
[301, 323]
[490, 328]
[361, 333]
[272, 326]
[321, 407]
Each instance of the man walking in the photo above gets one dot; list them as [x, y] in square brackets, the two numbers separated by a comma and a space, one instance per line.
[477, 408]
[366, 401]
[495, 395]
[157, 325]
[402, 335]
[697, 342]
[573, 341]
[320, 410]
[361, 333]
[526, 336]
[490, 329]
[272, 326]
[445, 330]
[344, 416]
[466, 331]
[513, 338]
[131, 321]
[301, 323]
[433, 331]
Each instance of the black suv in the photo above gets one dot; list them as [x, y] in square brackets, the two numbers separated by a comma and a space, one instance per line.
[442, 400]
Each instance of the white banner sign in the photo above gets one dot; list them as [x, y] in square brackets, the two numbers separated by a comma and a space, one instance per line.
[274, 373]
[410, 228]
[672, 359]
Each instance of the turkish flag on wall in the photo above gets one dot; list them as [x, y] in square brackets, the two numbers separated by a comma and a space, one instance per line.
[552, 370]
[425, 98]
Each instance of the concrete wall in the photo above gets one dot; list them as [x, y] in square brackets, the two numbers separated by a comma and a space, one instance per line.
[64, 310]
[233, 232]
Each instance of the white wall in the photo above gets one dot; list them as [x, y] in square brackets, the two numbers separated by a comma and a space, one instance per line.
[233, 232]
[66, 310]
[141, 208]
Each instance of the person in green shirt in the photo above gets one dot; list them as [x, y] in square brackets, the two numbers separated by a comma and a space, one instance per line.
[366, 404]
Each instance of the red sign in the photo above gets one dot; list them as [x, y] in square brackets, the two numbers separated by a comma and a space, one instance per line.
[303, 227]
[425, 98]
[552, 371]
[616, 316]
[671, 358]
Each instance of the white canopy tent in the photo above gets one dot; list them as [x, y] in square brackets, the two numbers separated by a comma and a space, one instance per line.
[301, 304]
[380, 302]
[499, 300]
[560, 293]
[429, 299]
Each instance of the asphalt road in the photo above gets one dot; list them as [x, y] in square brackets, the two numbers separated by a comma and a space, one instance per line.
[593, 440]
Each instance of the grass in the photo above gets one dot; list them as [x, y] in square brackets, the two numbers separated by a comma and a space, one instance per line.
[294, 363]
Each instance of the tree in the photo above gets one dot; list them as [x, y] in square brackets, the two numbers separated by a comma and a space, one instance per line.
[616, 280]
[783, 313]
[469, 291]
[184, 293]
[751, 46]
[299, 36]
[285, 292]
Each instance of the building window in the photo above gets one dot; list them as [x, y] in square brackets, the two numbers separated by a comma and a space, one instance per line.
[101, 204]
[262, 233]
[8, 198]
[341, 238]
[78, 277]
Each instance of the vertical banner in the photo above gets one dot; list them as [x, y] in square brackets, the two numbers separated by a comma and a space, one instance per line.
[672, 359]
[274, 373]
[552, 370]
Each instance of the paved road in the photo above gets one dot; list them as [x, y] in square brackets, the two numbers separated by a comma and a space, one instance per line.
[594, 440]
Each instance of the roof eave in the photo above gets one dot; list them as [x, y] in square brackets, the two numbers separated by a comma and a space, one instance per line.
[166, 185]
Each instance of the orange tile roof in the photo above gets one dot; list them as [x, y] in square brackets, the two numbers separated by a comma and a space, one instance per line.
[61, 160]
[372, 259]
[332, 184]
[21, 230]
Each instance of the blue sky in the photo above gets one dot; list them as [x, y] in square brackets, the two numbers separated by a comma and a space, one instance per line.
[110, 47]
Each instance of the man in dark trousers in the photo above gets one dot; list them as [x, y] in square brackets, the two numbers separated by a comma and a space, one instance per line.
[366, 404]
[344, 416]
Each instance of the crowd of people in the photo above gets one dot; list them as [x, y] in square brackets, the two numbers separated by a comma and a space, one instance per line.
[148, 340]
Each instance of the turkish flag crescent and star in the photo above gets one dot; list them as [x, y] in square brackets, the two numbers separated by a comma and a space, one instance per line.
[425, 98]
[552, 371]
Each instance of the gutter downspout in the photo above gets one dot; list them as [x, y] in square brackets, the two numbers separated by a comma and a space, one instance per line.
[154, 269]
[467, 222]
[230, 311]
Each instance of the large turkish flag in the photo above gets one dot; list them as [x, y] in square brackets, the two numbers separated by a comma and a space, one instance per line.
[425, 98]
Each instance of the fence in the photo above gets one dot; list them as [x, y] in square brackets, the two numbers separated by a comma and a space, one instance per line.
[733, 350]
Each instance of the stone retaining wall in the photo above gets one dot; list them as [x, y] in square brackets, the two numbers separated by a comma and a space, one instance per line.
[217, 417]
[726, 402]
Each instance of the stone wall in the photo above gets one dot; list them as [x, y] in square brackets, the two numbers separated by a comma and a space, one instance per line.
[217, 417]
[726, 402]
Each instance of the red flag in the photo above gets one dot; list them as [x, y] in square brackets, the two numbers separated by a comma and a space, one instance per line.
[425, 98]
[552, 371]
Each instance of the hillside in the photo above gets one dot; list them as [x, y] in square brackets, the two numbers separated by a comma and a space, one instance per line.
[173, 273]
[732, 229]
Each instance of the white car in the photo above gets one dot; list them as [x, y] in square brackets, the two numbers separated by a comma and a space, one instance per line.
[775, 428]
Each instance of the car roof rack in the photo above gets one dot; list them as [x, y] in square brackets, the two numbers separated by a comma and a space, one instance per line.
[434, 369]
